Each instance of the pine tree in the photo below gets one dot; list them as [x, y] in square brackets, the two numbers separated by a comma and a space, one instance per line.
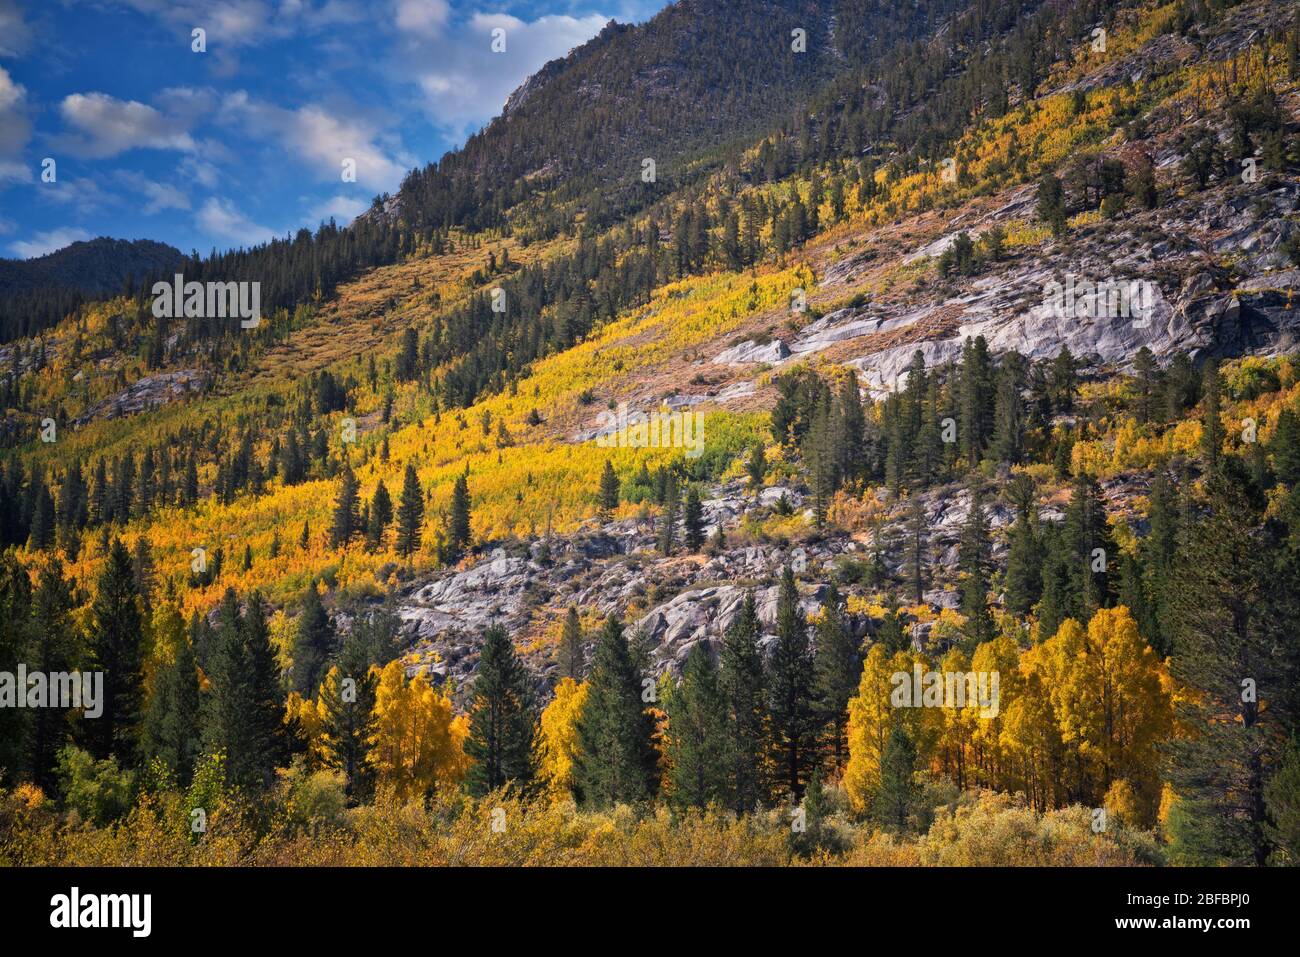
[1282, 798]
[838, 663]
[916, 545]
[740, 681]
[977, 392]
[617, 762]
[1051, 203]
[1009, 410]
[756, 468]
[693, 520]
[1057, 596]
[458, 527]
[15, 645]
[1088, 548]
[55, 642]
[571, 658]
[1285, 448]
[345, 703]
[171, 733]
[381, 514]
[228, 707]
[668, 521]
[1211, 421]
[897, 797]
[502, 719]
[1158, 552]
[266, 699]
[790, 690]
[347, 519]
[117, 649]
[975, 564]
[1024, 574]
[891, 635]
[313, 643]
[410, 514]
[698, 745]
[1232, 605]
[1146, 382]
[607, 499]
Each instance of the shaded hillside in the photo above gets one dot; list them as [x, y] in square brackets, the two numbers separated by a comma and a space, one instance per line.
[35, 293]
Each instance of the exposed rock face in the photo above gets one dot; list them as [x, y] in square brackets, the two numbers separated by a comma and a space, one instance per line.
[750, 352]
[147, 393]
[1187, 302]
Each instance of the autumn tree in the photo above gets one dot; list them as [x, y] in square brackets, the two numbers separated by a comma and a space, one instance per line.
[417, 745]
[558, 738]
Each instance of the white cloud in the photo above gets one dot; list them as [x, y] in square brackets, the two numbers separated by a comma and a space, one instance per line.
[12, 171]
[6, 226]
[15, 128]
[200, 170]
[231, 24]
[14, 33]
[158, 196]
[344, 209]
[219, 217]
[321, 138]
[80, 191]
[106, 126]
[470, 83]
[47, 242]
[425, 17]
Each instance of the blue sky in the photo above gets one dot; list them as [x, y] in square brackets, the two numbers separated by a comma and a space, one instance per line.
[228, 147]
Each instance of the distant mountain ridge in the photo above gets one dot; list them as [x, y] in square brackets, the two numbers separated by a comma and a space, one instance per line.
[35, 293]
[93, 267]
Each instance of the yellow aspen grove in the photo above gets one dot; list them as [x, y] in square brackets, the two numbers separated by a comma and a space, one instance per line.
[957, 726]
[1071, 680]
[1137, 711]
[1031, 740]
[1000, 657]
[557, 741]
[417, 746]
[1111, 703]
[304, 718]
[871, 714]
